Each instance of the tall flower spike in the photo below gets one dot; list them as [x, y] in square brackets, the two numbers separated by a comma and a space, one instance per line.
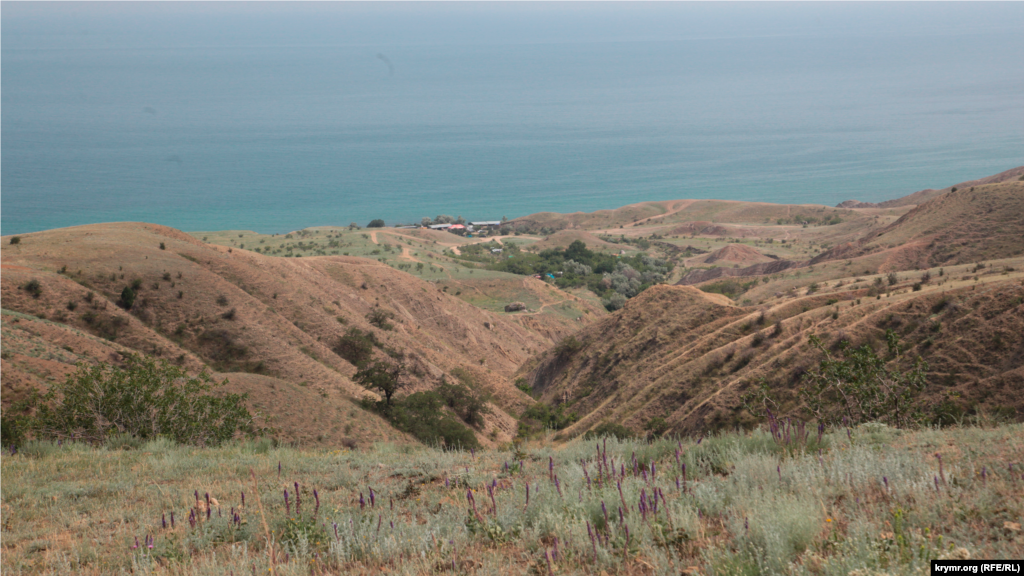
[593, 542]
[298, 499]
[287, 505]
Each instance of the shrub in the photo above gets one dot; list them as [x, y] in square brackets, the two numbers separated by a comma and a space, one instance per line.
[892, 278]
[127, 298]
[523, 386]
[356, 346]
[860, 388]
[163, 246]
[375, 223]
[567, 347]
[229, 315]
[220, 346]
[778, 328]
[145, 399]
[541, 416]
[656, 427]
[469, 405]
[380, 317]
[615, 302]
[609, 429]
[222, 300]
[33, 287]
[13, 425]
[422, 415]
[15, 239]
[136, 284]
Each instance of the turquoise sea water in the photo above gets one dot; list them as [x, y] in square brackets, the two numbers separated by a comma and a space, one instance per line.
[274, 118]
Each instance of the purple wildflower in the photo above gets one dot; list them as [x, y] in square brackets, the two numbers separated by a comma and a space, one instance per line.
[287, 505]
[163, 521]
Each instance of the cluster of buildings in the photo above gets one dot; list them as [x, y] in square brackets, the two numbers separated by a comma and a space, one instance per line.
[467, 228]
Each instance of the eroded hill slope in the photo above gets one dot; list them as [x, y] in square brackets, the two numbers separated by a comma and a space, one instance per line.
[270, 325]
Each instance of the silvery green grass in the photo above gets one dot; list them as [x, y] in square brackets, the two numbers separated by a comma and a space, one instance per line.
[867, 501]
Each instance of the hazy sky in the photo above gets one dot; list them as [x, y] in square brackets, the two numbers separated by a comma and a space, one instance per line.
[66, 7]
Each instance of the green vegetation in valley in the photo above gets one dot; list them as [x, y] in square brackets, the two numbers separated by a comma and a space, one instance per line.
[576, 266]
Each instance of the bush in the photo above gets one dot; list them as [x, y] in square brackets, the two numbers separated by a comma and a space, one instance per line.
[12, 427]
[656, 427]
[860, 388]
[356, 346]
[376, 223]
[127, 299]
[464, 401]
[380, 317]
[567, 347]
[541, 416]
[145, 399]
[615, 302]
[33, 287]
[422, 415]
[609, 429]
[15, 239]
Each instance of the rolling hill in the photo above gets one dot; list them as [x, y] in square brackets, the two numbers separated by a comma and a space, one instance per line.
[268, 325]
[753, 282]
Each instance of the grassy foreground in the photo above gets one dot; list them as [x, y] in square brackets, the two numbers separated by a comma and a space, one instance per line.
[864, 502]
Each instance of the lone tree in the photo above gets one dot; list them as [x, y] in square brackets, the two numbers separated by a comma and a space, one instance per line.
[384, 377]
[376, 223]
[127, 298]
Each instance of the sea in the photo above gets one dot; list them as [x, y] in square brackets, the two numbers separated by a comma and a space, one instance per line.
[280, 116]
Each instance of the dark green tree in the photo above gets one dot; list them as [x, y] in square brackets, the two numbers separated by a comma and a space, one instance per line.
[127, 298]
[385, 377]
[376, 223]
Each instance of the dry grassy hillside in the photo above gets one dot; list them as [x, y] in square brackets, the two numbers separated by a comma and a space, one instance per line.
[269, 325]
[972, 224]
[686, 356]
[923, 196]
